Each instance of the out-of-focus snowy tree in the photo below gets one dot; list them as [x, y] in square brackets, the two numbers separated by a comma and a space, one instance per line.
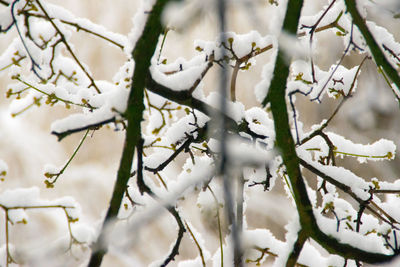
[199, 133]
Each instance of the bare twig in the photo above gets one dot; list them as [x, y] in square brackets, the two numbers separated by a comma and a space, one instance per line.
[92, 82]
[93, 126]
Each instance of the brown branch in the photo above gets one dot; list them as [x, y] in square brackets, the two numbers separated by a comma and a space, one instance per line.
[385, 191]
[233, 80]
[393, 54]
[203, 74]
[239, 62]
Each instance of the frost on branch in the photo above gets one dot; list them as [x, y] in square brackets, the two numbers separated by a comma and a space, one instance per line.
[170, 110]
[18, 203]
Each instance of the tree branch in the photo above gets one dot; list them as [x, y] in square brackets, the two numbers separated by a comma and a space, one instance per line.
[286, 145]
[92, 82]
[142, 54]
[373, 46]
[160, 167]
[78, 28]
[181, 231]
[297, 247]
[94, 126]
[143, 188]
[348, 190]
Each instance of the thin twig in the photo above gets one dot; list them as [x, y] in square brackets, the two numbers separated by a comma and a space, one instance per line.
[92, 82]
[312, 31]
[345, 98]
[175, 250]
[55, 176]
[94, 126]
[389, 220]
[197, 244]
[221, 247]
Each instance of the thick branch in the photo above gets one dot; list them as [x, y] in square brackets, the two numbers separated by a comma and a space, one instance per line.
[373, 46]
[181, 97]
[142, 54]
[297, 247]
[286, 145]
[184, 97]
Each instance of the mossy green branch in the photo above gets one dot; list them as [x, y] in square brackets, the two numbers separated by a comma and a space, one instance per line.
[373, 46]
[142, 55]
[286, 145]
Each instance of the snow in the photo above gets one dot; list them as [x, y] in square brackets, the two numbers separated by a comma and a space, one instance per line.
[189, 263]
[206, 200]
[201, 242]
[83, 233]
[5, 18]
[241, 152]
[41, 30]
[379, 150]
[356, 184]
[384, 38]
[283, 252]
[188, 174]
[50, 169]
[191, 176]
[183, 128]
[244, 44]
[370, 243]
[261, 238]
[61, 14]
[235, 110]
[329, 17]
[139, 21]
[18, 200]
[79, 120]
[390, 206]
[227, 255]
[261, 89]
[13, 51]
[180, 80]
[20, 197]
[292, 47]
[260, 123]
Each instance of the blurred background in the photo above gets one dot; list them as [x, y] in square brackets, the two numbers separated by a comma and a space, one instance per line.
[26, 144]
